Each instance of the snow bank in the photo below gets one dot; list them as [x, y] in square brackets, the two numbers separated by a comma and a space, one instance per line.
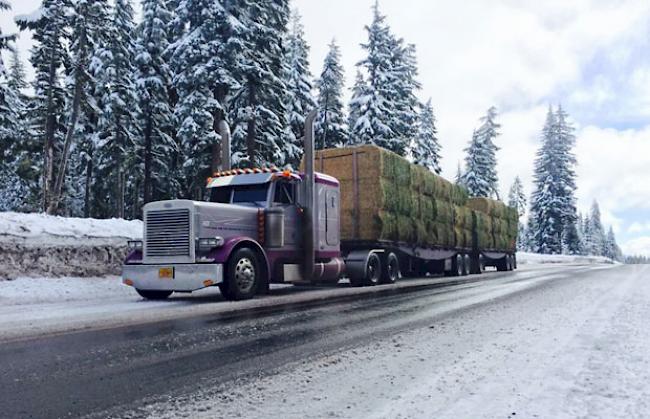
[536, 258]
[45, 245]
[45, 229]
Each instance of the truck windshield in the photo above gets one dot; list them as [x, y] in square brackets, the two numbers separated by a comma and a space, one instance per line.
[241, 194]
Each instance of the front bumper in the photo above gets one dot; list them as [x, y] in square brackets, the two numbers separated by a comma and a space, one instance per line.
[186, 277]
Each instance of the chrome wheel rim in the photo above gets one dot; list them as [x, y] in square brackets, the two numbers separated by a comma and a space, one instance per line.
[459, 265]
[373, 271]
[392, 269]
[245, 275]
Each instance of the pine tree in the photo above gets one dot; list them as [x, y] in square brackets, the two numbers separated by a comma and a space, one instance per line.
[596, 232]
[373, 125]
[426, 148]
[330, 123]
[611, 250]
[553, 201]
[117, 153]
[87, 18]
[517, 200]
[358, 104]
[153, 76]
[297, 79]
[49, 53]
[480, 176]
[405, 107]
[206, 54]
[257, 107]
[458, 179]
[517, 197]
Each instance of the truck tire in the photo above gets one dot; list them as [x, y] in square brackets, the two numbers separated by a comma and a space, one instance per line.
[154, 295]
[457, 265]
[372, 272]
[502, 264]
[390, 272]
[467, 265]
[243, 275]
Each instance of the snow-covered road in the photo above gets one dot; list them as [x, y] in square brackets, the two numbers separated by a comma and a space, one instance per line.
[559, 341]
[579, 348]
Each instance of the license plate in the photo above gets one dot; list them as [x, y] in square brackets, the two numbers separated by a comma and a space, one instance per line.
[166, 273]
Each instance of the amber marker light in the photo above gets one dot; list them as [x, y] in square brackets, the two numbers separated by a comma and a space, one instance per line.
[128, 282]
[208, 282]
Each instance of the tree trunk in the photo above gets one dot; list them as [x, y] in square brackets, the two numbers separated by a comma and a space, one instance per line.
[48, 150]
[89, 177]
[250, 133]
[147, 158]
[74, 116]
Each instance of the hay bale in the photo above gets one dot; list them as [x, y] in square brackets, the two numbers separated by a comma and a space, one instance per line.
[394, 199]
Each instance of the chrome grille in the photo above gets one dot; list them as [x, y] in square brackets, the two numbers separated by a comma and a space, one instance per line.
[167, 233]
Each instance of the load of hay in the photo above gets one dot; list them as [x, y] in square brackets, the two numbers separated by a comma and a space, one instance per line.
[395, 200]
[496, 224]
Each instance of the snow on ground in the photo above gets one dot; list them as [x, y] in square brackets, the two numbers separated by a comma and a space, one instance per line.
[48, 229]
[536, 258]
[577, 348]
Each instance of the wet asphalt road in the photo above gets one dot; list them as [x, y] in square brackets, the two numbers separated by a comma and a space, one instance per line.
[107, 372]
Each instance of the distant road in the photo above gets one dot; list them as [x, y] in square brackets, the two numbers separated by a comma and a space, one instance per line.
[349, 358]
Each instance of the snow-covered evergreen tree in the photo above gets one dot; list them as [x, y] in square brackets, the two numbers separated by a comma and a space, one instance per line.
[426, 148]
[330, 123]
[48, 55]
[480, 175]
[358, 104]
[596, 232]
[553, 201]
[517, 197]
[257, 108]
[87, 20]
[117, 153]
[386, 111]
[517, 200]
[611, 249]
[206, 54]
[297, 79]
[458, 178]
[153, 77]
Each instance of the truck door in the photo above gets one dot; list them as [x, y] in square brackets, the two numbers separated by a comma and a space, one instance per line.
[332, 217]
[285, 196]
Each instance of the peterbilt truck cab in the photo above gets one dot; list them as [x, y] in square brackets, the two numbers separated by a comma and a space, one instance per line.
[259, 226]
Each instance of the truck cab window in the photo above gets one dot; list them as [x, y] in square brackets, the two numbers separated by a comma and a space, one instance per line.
[221, 195]
[254, 194]
[284, 193]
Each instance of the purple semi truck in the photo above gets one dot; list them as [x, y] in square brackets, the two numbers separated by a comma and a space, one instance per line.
[264, 226]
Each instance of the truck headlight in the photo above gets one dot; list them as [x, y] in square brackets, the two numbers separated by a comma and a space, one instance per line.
[134, 244]
[209, 243]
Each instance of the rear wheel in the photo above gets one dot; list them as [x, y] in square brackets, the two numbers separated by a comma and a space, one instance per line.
[243, 275]
[467, 265]
[502, 264]
[372, 272]
[154, 295]
[390, 273]
[457, 266]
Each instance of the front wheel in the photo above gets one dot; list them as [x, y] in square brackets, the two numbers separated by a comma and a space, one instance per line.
[243, 275]
[154, 295]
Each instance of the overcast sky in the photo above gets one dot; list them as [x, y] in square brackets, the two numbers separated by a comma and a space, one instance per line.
[592, 56]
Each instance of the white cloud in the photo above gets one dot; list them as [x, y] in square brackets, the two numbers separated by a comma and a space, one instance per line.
[638, 227]
[638, 246]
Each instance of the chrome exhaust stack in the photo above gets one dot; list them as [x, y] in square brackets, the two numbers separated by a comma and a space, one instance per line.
[224, 131]
[308, 194]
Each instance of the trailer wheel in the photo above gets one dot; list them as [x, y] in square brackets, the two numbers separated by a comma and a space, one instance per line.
[467, 265]
[390, 273]
[243, 275]
[457, 266]
[479, 264]
[154, 295]
[502, 264]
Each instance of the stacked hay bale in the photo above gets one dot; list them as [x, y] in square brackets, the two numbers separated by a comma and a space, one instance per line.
[395, 200]
[496, 224]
